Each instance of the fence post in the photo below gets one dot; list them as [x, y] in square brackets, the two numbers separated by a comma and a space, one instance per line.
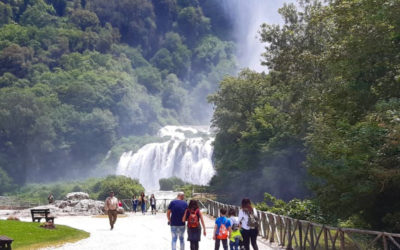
[342, 244]
[326, 238]
[289, 234]
[311, 231]
[300, 226]
[273, 226]
[385, 245]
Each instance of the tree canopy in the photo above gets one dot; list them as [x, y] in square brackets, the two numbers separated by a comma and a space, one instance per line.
[329, 106]
[79, 77]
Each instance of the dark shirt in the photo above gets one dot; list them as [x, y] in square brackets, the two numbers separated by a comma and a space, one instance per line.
[178, 208]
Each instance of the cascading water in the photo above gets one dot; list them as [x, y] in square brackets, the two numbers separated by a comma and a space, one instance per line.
[186, 155]
[247, 17]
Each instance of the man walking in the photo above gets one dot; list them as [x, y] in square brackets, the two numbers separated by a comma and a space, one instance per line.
[176, 210]
[111, 206]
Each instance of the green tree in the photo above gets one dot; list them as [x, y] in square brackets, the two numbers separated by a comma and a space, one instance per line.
[150, 77]
[16, 60]
[39, 14]
[6, 13]
[192, 23]
[84, 19]
[122, 186]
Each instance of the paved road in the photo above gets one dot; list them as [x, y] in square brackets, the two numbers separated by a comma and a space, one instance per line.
[148, 232]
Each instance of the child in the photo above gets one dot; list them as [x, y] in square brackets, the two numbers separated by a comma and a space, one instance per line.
[222, 230]
[235, 236]
[135, 202]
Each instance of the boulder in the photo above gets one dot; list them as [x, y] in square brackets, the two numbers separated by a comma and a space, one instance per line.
[69, 207]
[77, 196]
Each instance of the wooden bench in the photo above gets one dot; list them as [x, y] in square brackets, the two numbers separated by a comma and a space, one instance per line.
[5, 242]
[38, 214]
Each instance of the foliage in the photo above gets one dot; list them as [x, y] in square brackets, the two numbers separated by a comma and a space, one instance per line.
[255, 143]
[30, 235]
[123, 187]
[176, 184]
[298, 209]
[5, 182]
[77, 77]
[329, 104]
[97, 188]
[171, 183]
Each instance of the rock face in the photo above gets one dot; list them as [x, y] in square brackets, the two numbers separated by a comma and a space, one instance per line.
[77, 203]
[77, 196]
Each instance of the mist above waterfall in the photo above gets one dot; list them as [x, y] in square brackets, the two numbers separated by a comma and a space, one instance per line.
[186, 155]
[247, 17]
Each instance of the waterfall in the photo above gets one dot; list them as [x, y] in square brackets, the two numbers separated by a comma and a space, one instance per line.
[186, 155]
[247, 17]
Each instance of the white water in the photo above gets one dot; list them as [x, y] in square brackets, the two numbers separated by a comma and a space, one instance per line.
[182, 156]
[247, 17]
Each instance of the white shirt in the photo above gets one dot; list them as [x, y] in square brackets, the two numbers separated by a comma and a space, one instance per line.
[243, 218]
[234, 220]
[111, 203]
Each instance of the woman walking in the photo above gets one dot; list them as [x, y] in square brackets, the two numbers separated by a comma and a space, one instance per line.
[194, 216]
[143, 203]
[153, 204]
[249, 222]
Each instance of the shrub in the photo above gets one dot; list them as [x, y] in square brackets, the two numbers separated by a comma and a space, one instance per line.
[171, 183]
[123, 187]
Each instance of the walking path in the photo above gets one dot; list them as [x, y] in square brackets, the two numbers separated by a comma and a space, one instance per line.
[148, 232]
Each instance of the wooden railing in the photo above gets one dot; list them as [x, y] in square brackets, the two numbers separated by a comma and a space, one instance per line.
[13, 203]
[161, 205]
[292, 233]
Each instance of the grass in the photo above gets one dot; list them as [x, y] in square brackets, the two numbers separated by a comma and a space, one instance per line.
[29, 235]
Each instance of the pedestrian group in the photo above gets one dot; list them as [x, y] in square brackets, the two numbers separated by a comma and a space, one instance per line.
[239, 231]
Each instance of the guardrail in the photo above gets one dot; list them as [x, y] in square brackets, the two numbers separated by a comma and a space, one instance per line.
[292, 233]
[15, 204]
[161, 204]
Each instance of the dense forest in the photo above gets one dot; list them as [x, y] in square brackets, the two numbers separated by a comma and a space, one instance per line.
[79, 77]
[326, 114]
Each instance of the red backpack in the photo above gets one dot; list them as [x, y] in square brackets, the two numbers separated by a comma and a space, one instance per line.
[223, 231]
[193, 219]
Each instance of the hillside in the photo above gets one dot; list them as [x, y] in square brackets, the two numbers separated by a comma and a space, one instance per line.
[77, 77]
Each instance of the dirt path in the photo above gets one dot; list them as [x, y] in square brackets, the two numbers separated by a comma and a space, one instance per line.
[149, 232]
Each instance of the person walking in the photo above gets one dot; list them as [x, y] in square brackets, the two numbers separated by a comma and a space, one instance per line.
[176, 210]
[143, 203]
[222, 230]
[153, 204]
[249, 222]
[111, 206]
[135, 202]
[194, 216]
[50, 198]
[235, 237]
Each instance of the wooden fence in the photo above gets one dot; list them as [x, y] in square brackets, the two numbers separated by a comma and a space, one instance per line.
[13, 203]
[290, 233]
[161, 205]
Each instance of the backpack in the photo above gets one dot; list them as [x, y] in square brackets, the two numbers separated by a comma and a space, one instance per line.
[193, 219]
[252, 221]
[223, 231]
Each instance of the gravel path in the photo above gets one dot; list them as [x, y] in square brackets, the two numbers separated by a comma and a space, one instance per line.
[148, 232]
